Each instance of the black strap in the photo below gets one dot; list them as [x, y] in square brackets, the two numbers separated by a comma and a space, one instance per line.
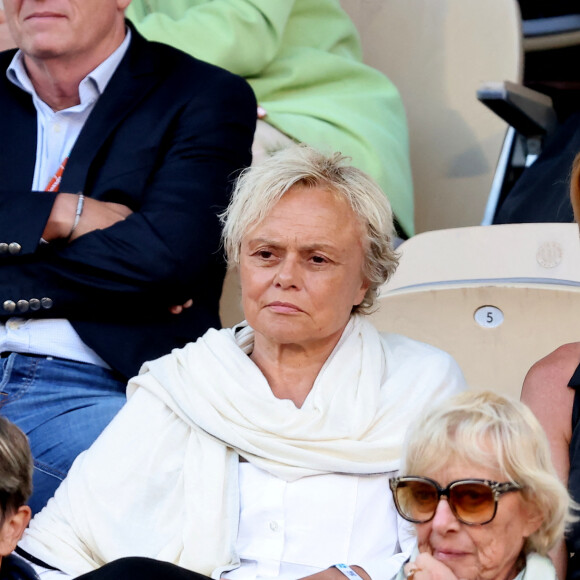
[34, 559]
[575, 380]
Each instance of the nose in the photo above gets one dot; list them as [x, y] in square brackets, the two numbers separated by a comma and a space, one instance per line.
[287, 273]
[444, 520]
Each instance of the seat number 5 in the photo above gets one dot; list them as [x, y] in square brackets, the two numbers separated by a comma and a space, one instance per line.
[488, 316]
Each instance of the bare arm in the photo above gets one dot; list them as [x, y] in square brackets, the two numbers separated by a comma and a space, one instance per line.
[546, 392]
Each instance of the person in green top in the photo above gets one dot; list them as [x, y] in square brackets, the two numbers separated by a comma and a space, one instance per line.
[303, 60]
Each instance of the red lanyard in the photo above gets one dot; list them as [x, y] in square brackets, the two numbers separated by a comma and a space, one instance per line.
[54, 183]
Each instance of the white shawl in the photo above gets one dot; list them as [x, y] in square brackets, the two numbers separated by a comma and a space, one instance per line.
[161, 481]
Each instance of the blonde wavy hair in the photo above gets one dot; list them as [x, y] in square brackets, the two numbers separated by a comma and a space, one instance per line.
[486, 429]
[260, 188]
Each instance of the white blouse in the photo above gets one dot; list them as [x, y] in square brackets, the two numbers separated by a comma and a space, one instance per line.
[289, 530]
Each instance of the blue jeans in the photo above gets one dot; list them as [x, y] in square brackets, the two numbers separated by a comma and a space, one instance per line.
[62, 406]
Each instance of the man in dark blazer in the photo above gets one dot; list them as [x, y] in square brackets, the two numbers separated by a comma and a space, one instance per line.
[116, 154]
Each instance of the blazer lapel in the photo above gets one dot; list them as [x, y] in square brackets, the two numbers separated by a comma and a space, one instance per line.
[18, 153]
[131, 82]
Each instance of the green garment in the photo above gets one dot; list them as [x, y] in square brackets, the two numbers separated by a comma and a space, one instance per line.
[303, 61]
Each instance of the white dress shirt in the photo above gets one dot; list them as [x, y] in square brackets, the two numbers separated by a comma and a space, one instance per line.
[289, 530]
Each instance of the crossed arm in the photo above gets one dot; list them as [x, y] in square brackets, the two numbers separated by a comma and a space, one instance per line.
[136, 261]
[96, 215]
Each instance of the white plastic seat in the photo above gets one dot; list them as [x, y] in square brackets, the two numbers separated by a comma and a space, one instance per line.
[497, 298]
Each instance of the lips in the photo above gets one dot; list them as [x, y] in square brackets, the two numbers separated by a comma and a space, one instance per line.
[448, 554]
[284, 307]
[39, 15]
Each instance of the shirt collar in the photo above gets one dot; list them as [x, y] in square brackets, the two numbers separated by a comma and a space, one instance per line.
[90, 88]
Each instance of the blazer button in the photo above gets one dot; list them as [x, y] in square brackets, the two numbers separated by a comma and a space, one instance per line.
[3, 248]
[14, 248]
[22, 305]
[9, 306]
[46, 303]
[34, 304]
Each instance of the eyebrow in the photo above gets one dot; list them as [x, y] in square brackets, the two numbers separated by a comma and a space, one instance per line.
[305, 248]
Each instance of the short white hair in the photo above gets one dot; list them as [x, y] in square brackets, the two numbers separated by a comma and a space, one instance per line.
[260, 188]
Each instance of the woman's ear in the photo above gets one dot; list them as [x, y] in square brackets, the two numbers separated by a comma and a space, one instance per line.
[365, 285]
[533, 519]
[13, 528]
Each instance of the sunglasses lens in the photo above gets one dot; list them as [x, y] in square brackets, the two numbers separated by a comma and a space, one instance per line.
[473, 503]
[417, 500]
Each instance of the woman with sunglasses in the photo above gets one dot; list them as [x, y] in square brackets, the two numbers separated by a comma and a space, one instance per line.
[481, 490]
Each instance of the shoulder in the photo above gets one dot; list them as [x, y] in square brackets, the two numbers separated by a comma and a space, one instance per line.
[548, 379]
[423, 365]
[558, 366]
[198, 93]
[6, 58]
[537, 568]
[170, 63]
[224, 339]
[15, 568]
[404, 347]
[546, 389]
[404, 354]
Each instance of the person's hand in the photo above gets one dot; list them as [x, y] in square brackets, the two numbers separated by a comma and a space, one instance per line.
[425, 567]
[96, 215]
[179, 308]
[6, 40]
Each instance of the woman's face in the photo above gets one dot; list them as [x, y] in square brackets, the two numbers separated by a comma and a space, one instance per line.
[301, 269]
[484, 552]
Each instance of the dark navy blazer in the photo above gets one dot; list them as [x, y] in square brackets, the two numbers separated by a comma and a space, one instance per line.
[166, 138]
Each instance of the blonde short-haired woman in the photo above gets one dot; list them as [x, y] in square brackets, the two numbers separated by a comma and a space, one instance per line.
[266, 449]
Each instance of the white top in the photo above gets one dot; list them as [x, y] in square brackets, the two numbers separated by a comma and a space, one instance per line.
[289, 530]
[293, 529]
[57, 132]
